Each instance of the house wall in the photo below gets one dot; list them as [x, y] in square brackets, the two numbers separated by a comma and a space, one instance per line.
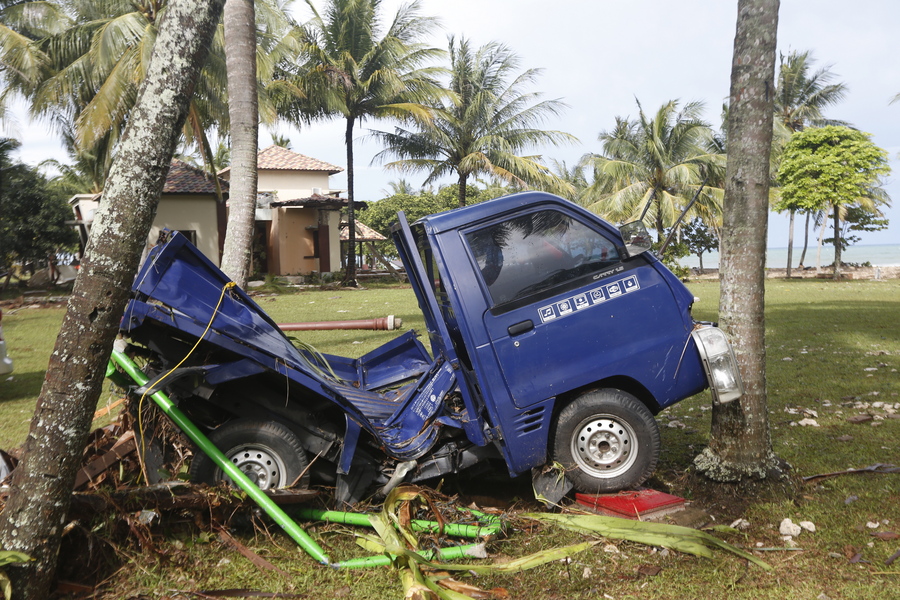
[291, 242]
[192, 212]
[334, 237]
[292, 185]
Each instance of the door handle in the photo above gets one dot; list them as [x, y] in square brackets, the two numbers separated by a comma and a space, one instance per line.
[521, 327]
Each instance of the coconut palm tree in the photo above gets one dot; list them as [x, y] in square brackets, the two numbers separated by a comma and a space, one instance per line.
[800, 98]
[356, 69]
[484, 127]
[652, 166]
[81, 62]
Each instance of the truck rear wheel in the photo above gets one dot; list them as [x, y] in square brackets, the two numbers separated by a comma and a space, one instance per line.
[269, 453]
[607, 441]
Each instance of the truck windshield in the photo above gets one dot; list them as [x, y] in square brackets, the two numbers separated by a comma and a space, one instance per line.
[537, 251]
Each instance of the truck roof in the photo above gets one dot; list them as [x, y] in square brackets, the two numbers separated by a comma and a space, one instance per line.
[468, 215]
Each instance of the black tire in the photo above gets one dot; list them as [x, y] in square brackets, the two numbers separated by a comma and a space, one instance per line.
[607, 441]
[269, 453]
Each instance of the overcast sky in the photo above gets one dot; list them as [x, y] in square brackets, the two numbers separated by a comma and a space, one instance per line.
[599, 56]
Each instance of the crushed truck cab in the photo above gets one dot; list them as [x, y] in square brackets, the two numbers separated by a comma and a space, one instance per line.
[553, 341]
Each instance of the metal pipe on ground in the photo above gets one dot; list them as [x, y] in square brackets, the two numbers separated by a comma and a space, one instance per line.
[388, 323]
[237, 476]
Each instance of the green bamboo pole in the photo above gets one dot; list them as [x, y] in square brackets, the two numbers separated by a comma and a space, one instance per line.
[236, 475]
[383, 560]
[362, 520]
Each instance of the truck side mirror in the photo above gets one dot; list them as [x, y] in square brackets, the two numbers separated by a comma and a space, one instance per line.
[636, 237]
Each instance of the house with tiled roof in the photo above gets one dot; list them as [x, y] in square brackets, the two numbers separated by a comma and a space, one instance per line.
[188, 204]
[298, 215]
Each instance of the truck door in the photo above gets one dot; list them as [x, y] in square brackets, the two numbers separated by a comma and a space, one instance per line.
[565, 311]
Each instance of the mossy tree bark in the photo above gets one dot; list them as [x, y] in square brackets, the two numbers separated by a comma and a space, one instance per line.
[243, 113]
[41, 489]
[740, 447]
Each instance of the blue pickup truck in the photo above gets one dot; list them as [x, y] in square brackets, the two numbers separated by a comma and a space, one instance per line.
[553, 340]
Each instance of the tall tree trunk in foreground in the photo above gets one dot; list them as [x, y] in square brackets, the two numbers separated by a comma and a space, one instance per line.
[41, 489]
[243, 112]
[740, 447]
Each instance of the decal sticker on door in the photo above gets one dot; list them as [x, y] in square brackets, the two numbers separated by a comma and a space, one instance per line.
[586, 300]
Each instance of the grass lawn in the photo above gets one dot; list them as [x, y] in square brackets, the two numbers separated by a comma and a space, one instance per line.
[833, 353]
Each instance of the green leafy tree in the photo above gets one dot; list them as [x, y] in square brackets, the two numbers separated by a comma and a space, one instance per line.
[33, 227]
[832, 167]
[484, 127]
[652, 166]
[355, 69]
[699, 239]
[801, 96]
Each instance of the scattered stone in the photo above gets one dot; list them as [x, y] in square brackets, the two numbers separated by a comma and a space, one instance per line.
[859, 418]
[742, 524]
[787, 359]
[808, 526]
[612, 549]
[808, 423]
[845, 438]
[678, 424]
[873, 524]
[870, 369]
[789, 541]
[789, 528]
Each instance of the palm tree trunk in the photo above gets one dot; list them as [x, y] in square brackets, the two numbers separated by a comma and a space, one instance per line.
[837, 242]
[790, 244]
[243, 111]
[461, 189]
[41, 488]
[350, 273]
[740, 447]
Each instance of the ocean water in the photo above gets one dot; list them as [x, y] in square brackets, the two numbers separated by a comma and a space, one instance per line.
[881, 255]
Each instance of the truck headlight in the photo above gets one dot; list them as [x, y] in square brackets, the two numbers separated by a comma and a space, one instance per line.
[720, 364]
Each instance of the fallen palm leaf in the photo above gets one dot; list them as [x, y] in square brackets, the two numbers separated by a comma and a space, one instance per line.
[674, 537]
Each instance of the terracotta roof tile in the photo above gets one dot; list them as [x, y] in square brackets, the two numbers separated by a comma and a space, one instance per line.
[185, 179]
[277, 158]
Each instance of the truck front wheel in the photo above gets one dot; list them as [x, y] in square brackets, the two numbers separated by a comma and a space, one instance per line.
[267, 452]
[607, 441]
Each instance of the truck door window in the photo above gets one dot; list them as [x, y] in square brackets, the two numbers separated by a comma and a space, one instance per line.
[538, 251]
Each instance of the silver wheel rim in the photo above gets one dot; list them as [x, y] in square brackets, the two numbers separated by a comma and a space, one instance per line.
[260, 464]
[604, 446]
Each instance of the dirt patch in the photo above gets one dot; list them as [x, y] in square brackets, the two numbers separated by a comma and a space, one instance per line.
[729, 501]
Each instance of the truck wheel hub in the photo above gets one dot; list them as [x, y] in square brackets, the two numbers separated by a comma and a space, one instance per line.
[604, 446]
[262, 466]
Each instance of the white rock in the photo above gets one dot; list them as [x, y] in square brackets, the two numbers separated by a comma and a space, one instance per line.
[872, 524]
[808, 423]
[610, 549]
[808, 525]
[788, 527]
[740, 524]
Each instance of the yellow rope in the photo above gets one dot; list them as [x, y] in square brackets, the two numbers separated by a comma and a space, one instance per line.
[226, 287]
